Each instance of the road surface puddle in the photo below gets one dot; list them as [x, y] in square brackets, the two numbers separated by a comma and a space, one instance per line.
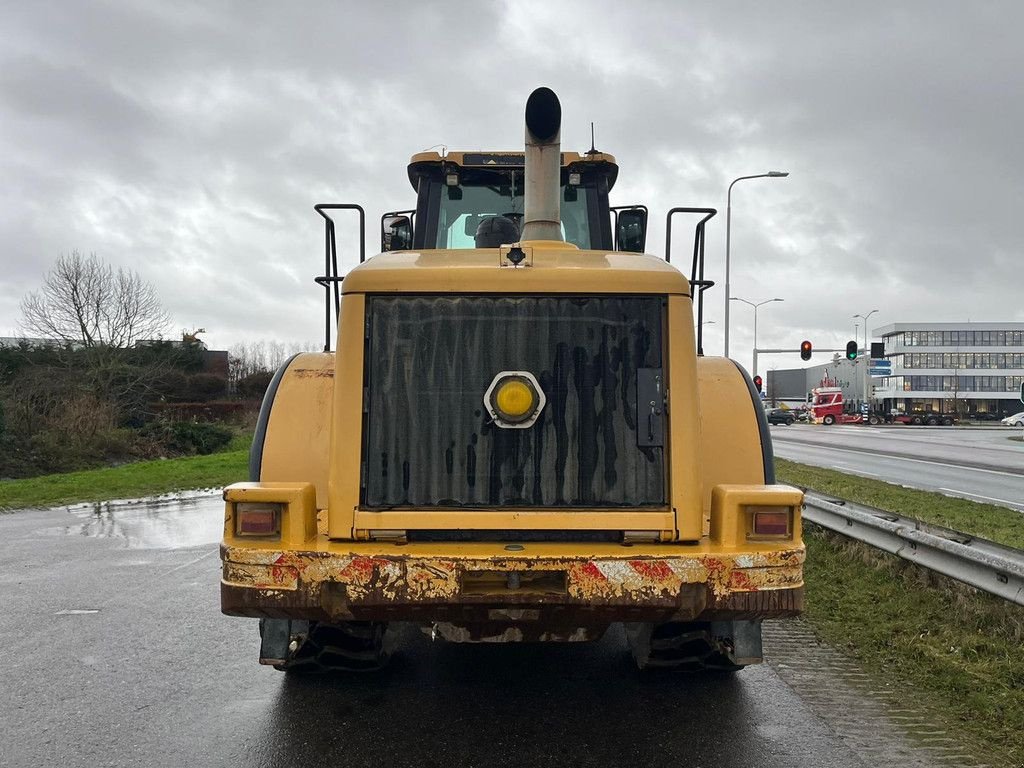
[175, 522]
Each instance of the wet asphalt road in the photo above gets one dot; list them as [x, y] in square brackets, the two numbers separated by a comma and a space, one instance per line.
[976, 463]
[114, 652]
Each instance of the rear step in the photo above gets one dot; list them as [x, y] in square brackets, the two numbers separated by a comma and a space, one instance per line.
[724, 646]
[309, 647]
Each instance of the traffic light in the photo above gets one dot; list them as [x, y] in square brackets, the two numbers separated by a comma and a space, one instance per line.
[805, 350]
[757, 383]
[851, 350]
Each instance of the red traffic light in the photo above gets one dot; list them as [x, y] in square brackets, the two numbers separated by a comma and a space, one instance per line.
[758, 381]
[805, 350]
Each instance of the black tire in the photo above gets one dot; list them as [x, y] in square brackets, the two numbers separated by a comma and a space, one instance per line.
[349, 646]
[874, 420]
[916, 421]
[932, 421]
[947, 422]
[828, 420]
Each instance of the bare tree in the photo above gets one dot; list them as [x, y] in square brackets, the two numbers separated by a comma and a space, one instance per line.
[86, 302]
[258, 357]
[97, 314]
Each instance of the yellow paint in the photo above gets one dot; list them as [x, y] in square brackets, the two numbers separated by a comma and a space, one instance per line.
[555, 269]
[297, 445]
[439, 572]
[713, 446]
[298, 517]
[730, 517]
[682, 435]
[729, 442]
[343, 484]
[516, 519]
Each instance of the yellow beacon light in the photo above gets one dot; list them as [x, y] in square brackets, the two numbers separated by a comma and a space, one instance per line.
[514, 399]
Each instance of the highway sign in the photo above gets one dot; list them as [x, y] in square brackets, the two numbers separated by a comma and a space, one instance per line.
[880, 371]
[881, 363]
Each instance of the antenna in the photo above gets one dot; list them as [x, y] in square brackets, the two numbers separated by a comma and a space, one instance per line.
[592, 150]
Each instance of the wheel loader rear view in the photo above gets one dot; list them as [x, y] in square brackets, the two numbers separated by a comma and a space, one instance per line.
[518, 437]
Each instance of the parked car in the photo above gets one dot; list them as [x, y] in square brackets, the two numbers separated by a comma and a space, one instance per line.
[985, 416]
[780, 416]
[1017, 420]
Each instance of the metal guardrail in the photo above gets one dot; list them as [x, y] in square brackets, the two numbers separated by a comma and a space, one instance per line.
[983, 564]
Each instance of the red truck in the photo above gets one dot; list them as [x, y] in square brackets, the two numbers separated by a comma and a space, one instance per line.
[827, 407]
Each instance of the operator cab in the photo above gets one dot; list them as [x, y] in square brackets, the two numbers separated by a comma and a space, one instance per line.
[476, 200]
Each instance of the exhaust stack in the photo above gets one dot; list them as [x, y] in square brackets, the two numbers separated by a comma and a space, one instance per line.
[542, 217]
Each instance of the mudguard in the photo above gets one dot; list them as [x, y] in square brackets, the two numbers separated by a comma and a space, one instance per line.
[293, 432]
[735, 444]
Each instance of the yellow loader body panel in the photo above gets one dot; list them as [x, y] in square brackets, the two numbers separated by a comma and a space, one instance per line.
[339, 560]
[518, 438]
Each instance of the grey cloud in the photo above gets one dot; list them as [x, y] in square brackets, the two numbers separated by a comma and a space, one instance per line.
[191, 140]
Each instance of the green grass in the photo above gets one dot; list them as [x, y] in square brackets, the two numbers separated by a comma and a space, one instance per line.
[947, 649]
[144, 478]
[998, 524]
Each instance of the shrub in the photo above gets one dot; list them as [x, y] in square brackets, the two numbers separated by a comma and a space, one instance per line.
[216, 410]
[253, 386]
[205, 386]
[201, 438]
[186, 437]
[172, 386]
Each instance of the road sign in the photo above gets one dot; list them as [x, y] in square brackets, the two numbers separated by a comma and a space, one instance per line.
[880, 372]
[881, 363]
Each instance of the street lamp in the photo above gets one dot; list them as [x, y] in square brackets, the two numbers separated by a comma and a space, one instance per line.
[728, 237]
[867, 355]
[755, 306]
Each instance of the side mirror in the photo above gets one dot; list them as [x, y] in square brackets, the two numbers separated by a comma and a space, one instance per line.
[631, 230]
[396, 233]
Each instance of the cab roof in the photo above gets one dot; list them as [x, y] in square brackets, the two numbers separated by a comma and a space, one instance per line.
[424, 162]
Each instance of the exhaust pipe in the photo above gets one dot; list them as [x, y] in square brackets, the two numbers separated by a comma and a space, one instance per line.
[542, 217]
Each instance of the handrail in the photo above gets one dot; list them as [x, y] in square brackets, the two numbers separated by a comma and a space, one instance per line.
[983, 564]
[697, 268]
[331, 276]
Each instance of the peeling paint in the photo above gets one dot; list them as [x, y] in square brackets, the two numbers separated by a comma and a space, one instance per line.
[313, 373]
[398, 580]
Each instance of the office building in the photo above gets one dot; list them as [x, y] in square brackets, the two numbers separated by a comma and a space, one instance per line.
[962, 368]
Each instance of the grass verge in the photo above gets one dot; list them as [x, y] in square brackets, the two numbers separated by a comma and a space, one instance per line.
[955, 651]
[998, 524]
[949, 650]
[144, 478]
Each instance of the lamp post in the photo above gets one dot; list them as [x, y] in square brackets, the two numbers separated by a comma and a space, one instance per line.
[755, 306]
[728, 238]
[867, 352]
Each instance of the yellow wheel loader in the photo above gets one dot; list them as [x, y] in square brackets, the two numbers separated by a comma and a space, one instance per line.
[517, 438]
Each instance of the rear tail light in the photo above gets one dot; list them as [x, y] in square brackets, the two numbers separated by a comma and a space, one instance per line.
[253, 519]
[770, 522]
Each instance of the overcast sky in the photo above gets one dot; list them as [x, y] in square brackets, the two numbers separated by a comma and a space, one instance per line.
[189, 142]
